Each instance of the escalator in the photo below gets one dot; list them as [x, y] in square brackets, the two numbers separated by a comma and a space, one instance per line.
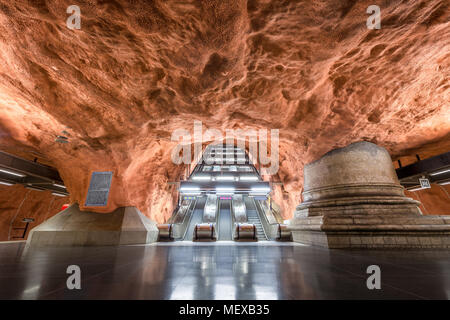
[253, 218]
[196, 218]
[224, 221]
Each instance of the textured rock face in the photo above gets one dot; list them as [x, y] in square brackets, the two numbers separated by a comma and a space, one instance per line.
[434, 201]
[17, 203]
[136, 71]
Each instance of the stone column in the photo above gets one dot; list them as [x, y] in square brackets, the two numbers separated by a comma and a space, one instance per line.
[352, 199]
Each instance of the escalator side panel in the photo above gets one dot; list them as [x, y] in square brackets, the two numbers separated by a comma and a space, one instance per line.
[239, 209]
[196, 218]
[210, 209]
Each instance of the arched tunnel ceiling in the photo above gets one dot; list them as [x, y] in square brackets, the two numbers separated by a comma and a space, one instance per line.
[138, 70]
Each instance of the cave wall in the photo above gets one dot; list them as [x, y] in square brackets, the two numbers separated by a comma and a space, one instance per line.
[138, 70]
[17, 202]
[434, 201]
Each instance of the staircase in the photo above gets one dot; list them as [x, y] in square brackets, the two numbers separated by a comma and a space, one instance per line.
[253, 218]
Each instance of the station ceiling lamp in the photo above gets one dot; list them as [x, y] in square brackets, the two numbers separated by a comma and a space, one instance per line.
[13, 173]
[198, 177]
[439, 172]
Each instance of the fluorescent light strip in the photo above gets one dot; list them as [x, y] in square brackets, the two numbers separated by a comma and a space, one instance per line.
[12, 173]
[416, 189]
[224, 189]
[444, 183]
[6, 183]
[261, 190]
[439, 172]
[225, 178]
[192, 193]
[59, 194]
[202, 178]
[248, 178]
[189, 189]
[59, 185]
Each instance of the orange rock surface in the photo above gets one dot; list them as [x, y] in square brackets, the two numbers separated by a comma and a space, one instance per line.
[434, 201]
[138, 70]
[17, 203]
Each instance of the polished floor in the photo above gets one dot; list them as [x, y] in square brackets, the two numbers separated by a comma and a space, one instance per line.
[224, 270]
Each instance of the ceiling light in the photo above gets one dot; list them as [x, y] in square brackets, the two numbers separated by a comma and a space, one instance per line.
[416, 189]
[201, 178]
[248, 178]
[192, 193]
[182, 189]
[444, 183]
[12, 173]
[6, 183]
[225, 178]
[59, 185]
[59, 194]
[261, 189]
[439, 172]
[225, 189]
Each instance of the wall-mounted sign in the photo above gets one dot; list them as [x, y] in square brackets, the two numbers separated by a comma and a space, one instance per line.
[425, 183]
[99, 189]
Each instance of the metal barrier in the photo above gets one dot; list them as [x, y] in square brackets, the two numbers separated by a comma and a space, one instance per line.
[165, 232]
[211, 208]
[204, 232]
[238, 208]
[283, 233]
[245, 231]
[275, 231]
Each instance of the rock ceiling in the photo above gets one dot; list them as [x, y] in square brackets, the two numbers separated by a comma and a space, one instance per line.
[138, 70]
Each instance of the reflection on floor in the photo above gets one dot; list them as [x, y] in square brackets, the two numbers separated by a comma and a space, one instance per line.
[225, 271]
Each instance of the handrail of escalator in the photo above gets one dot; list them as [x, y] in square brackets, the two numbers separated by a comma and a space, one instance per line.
[264, 221]
[217, 224]
[167, 230]
[277, 230]
[187, 221]
[184, 226]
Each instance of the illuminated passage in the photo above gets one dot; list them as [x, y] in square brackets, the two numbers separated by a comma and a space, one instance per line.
[224, 199]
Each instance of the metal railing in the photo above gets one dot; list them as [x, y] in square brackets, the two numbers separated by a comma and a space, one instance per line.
[179, 229]
[273, 230]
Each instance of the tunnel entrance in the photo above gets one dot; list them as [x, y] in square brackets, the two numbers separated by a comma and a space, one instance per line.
[224, 199]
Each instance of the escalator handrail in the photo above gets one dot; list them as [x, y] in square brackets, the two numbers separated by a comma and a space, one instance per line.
[264, 221]
[233, 222]
[275, 226]
[190, 218]
[217, 219]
